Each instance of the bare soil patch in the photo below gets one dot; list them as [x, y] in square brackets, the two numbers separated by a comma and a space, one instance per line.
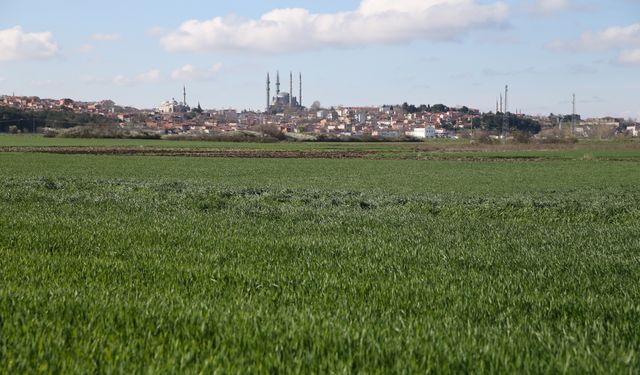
[310, 154]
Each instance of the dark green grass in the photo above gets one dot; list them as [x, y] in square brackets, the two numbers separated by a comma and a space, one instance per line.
[581, 152]
[145, 264]
[384, 176]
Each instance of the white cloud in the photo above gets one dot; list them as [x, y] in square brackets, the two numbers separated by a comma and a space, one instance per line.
[16, 45]
[87, 48]
[106, 37]
[122, 80]
[191, 73]
[630, 57]
[582, 69]
[374, 22]
[611, 38]
[496, 73]
[624, 39]
[44, 83]
[152, 76]
[156, 31]
[89, 79]
[551, 6]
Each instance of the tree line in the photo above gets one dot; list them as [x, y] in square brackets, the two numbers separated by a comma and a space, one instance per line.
[496, 121]
[427, 108]
[15, 119]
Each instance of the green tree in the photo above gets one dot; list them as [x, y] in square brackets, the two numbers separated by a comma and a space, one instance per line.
[495, 122]
[439, 108]
[198, 109]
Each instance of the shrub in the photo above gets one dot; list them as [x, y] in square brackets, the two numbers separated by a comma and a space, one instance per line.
[106, 131]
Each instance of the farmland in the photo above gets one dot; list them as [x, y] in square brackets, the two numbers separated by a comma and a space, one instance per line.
[433, 150]
[473, 260]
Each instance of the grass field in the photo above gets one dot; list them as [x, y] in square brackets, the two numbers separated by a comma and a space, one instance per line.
[135, 264]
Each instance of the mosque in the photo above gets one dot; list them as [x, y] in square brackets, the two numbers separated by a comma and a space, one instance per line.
[283, 100]
[172, 106]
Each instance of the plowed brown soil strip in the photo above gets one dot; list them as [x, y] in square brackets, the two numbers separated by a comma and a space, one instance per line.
[284, 154]
[194, 153]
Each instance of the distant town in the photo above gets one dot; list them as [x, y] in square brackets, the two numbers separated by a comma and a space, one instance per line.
[286, 113]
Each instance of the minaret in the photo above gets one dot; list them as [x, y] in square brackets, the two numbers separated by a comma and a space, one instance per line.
[184, 95]
[506, 95]
[278, 83]
[268, 92]
[290, 89]
[501, 103]
[505, 116]
[300, 96]
[497, 108]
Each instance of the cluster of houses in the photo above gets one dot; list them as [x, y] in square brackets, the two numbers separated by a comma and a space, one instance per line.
[385, 121]
[34, 103]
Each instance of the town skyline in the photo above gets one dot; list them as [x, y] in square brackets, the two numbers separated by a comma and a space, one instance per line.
[457, 52]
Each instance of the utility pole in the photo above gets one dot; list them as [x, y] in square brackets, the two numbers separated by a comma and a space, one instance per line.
[573, 115]
[472, 135]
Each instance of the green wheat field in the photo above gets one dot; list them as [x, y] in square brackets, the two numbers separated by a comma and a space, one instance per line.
[150, 264]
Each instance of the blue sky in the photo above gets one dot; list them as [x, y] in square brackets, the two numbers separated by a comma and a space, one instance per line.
[351, 52]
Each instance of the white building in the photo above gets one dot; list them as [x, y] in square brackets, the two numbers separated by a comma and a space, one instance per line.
[422, 133]
[172, 106]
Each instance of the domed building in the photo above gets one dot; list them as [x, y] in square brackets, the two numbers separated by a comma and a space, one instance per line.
[172, 106]
[283, 100]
